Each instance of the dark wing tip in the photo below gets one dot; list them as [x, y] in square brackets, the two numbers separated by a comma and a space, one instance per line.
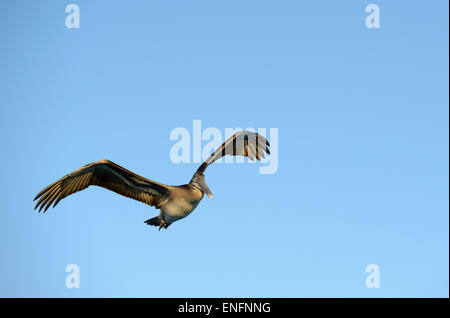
[38, 196]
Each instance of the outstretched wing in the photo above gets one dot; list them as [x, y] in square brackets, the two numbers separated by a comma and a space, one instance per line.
[243, 143]
[108, 175]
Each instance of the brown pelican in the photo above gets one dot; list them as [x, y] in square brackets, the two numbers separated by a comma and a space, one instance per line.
[174, 202]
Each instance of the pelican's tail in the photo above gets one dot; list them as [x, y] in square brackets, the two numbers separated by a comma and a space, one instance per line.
[156, 221]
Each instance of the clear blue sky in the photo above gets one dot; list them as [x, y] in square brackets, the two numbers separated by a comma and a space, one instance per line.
[363, 125]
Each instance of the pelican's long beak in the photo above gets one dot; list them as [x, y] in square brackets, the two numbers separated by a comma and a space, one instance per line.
[208, 192]
[206, 189]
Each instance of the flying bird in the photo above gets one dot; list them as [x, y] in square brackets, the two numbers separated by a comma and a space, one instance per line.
[174, 202]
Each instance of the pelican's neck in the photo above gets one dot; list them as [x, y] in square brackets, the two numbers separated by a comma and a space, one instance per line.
[198, 181]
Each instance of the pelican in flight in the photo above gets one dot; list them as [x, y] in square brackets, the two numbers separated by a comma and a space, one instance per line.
[174, 202]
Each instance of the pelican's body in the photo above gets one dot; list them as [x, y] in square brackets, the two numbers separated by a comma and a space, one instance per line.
[174, 202]
[180, 203]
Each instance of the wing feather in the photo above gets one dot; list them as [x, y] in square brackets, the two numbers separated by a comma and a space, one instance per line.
[108, 175]
[243, 143]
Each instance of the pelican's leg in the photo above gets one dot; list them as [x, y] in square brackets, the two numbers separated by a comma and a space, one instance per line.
[162, 223]
[167, 225]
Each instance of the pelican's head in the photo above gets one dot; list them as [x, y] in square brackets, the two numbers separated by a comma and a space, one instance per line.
[198, 181]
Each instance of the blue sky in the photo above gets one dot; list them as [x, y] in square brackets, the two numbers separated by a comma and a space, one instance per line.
[362, 118]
